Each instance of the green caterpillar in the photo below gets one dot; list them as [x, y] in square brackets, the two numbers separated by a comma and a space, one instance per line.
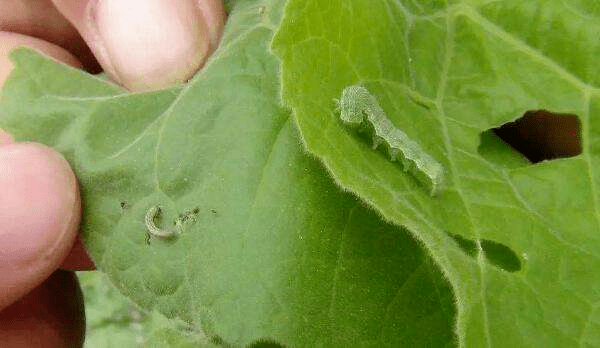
[358, 108]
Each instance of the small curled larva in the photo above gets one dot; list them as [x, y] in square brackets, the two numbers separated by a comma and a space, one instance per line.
[151, 215]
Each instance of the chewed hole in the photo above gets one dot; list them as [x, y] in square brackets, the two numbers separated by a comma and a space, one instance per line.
[538, 135]
[501, 256]
[467, 245]
[495, 253]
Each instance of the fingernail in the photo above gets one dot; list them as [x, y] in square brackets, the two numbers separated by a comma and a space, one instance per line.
[149, 44]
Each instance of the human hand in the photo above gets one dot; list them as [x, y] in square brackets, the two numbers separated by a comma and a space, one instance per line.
[142, 45]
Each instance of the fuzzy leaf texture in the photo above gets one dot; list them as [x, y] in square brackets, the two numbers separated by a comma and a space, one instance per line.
[271, 250]
[518, 242]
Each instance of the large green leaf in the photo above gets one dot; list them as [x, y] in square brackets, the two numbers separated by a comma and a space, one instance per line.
[271, 248]
[519, 243]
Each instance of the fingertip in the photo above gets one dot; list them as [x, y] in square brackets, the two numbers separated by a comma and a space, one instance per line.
[145, 45]
[152, 44]
[39, 216]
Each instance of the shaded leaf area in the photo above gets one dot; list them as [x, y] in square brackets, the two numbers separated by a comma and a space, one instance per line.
[445, 73]
[274, 251]
[112, 320]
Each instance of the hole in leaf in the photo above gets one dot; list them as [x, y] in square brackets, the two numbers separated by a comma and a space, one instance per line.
[501, 256]
[265, 343]
[538, 135]
[467, 245]
[493, 149]
[495, 253]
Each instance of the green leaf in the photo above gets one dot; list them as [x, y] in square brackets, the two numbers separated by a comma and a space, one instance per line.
[113, 321]
[271, 248]
[519, 244]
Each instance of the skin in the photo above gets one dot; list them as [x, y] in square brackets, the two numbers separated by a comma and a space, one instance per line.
[40, 206]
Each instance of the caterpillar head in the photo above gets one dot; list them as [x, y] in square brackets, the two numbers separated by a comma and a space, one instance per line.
[352, 105]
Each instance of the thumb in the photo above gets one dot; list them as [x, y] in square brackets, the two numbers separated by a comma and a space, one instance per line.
[149, 44]
[39, 216]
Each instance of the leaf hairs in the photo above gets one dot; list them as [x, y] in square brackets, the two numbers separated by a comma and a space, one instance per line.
[358, 108]
[151, 215]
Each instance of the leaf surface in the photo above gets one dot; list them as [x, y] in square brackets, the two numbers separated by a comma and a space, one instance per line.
[518, 242]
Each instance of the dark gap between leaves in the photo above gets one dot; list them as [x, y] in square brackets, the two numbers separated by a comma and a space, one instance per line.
[538, 135]
[495, 253]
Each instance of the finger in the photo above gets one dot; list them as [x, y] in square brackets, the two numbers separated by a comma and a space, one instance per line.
[52, 315]
[40, 19]
[39, 216]
[149, 44]
[78, 259]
